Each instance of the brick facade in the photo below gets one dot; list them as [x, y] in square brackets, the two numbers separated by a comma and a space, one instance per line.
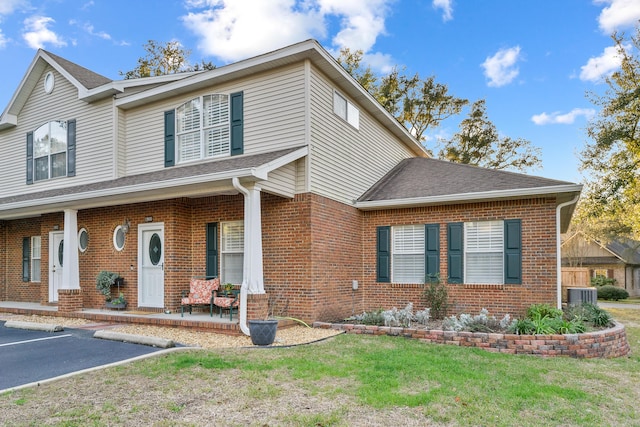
[314, 248]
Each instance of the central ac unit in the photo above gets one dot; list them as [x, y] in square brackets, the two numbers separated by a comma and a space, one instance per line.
[576, 296]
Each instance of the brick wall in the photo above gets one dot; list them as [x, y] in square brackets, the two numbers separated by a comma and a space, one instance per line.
[314, 248]
[607, 343]
[538, 257]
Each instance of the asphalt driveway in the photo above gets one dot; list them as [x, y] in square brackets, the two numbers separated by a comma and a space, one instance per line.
[28, 356]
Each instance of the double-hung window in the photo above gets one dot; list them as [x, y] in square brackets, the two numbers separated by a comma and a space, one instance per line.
[484, 252]
[203, 128]
[50, 150]
[407, 261]
[36, 255]
[232, 252]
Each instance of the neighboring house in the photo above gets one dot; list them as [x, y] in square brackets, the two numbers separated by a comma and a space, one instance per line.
[279, 172]
[618, 259]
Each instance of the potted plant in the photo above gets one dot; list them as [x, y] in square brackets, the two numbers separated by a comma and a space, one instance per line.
[227, 289]
[119, 302]
[263, 331]
[104, 281]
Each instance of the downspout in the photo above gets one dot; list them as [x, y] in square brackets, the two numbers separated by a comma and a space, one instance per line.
[559, 251]
[243, 287]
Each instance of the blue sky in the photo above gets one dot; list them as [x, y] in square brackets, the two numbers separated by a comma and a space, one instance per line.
[533, 61]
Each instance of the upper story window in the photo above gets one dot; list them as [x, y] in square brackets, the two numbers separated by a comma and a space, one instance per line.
[203, 128]
[50, 150]
[346, 110]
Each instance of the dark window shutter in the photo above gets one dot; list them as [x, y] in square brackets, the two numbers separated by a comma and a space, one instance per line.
[30, 158]
[383, 259]
[609, 274]
[237, 124]
[432, 249]
[71, 147]
[513, 252]
[212, 250]
[169, 138]
[455, 252]
[26, 256]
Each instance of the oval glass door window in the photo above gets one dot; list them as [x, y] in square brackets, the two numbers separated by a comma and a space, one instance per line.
[60, 252]
[155, 249]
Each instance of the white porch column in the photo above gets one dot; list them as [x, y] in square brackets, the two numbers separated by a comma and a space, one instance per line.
[252, 267]
[70, 265]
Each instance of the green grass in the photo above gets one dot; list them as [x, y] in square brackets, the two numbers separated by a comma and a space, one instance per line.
[434, 384]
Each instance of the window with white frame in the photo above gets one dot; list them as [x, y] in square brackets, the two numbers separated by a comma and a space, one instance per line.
[50, 150]
[346, 110]
[484, 252]
[232, 252]
[36, 255]
[203, 128]
[408, 259]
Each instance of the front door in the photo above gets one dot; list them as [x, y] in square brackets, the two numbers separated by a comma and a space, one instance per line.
[56, 245]
[151, 265]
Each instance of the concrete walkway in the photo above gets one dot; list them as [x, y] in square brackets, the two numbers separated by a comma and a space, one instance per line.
[614, 304]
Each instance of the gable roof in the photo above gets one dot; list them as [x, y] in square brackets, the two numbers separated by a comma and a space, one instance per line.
[626, 250]
[424, 181]
[85, 77]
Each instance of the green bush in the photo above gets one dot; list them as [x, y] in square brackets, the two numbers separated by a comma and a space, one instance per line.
[543, 310]
[602, 281]
[609, 292]
[436, 296]
[589, 313]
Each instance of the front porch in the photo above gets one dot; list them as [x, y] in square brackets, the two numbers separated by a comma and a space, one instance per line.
[198, 320]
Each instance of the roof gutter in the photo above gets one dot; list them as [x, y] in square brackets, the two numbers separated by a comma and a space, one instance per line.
[468, 197]
[559, 251]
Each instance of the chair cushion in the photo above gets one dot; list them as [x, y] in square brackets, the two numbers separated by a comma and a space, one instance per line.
[224, 302]
[200, 291]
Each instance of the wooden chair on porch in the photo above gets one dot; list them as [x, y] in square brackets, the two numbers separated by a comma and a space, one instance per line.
[201, 292]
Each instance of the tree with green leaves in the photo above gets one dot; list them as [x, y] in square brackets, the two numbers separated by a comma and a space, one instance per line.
[162, 59]
[478, 143]
[612, 158]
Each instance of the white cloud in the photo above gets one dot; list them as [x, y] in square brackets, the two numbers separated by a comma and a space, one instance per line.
[447, 8]
[37, 32]
[563, 119]
[90, 29]
[233, 30]
[3, 40]
[603, 65]
[619, 14]
[501, 68]
[8, 6]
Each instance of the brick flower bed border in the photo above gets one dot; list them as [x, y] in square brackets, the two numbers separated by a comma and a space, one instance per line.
[607, 343]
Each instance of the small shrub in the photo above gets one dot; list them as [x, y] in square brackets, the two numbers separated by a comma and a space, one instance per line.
[609, 292]
[602, 281]
[436, 296]
[522, 327]
[543, 310]
[479, 323]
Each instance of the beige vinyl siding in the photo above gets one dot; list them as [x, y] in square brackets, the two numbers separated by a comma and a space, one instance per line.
[274, 110]
[94, 153]
[346, 161]
[282, 181]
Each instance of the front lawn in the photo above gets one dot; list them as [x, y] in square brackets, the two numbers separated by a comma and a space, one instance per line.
[350, 380]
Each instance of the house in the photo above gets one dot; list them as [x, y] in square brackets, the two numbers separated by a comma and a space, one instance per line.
[279, 173]
[617, 259]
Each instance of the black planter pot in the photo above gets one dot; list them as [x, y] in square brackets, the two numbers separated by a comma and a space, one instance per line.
[263, 332]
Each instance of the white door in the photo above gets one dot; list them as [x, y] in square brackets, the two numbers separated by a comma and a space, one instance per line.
[151, 265]
[56, 245]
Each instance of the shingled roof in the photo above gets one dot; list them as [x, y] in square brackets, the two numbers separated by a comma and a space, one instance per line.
[84, 76]
[424, 177]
